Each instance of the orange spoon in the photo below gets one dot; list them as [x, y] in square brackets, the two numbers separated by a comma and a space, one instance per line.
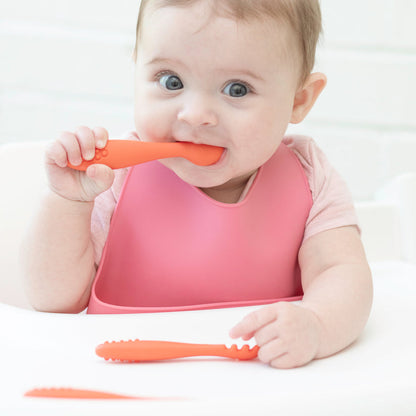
[123, 153]
[163, 350]
[70, 393]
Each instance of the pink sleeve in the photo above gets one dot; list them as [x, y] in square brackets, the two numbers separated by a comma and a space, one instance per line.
[104, 206]
[332, 202]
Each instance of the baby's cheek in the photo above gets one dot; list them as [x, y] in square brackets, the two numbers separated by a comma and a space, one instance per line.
[149, 127]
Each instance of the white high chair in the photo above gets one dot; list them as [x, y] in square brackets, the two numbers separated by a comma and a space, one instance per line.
[374, 376]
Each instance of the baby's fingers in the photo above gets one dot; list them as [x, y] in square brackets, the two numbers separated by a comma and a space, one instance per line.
[272, 352]
[100, 136]
[102, 177]
[86, 139]
[56, 154]
[253, 322]
[72, 147]
[81, 144]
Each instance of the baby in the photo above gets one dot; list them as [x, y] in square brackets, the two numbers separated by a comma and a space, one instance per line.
[269, 223]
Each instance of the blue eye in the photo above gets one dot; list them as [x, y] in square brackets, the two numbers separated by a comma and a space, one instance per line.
[170, 82]
[236, 89]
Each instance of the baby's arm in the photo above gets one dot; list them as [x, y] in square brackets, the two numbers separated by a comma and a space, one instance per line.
[57, 255]
[337, 286]
[337, 300]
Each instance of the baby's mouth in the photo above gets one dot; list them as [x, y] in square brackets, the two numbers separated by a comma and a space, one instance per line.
[201, 154]
[212, 154]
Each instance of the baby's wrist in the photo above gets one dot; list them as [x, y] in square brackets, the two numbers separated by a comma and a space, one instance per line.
[56, 198]
[319, 326]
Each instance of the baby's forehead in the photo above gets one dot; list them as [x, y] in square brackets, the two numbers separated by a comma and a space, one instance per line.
[205, 14]
[238, 10]
[194, 19]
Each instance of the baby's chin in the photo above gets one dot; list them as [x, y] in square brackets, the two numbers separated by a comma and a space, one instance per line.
[198, 176]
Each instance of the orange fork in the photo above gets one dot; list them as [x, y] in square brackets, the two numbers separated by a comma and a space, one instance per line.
[123, 153]
[165, 350]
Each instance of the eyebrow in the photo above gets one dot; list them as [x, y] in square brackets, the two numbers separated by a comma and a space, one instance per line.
[157, 60]
[246, 72]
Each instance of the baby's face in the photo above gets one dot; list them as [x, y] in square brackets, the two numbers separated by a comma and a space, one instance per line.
[214, 81]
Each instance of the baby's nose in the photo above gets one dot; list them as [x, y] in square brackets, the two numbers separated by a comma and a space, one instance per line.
[198, 111]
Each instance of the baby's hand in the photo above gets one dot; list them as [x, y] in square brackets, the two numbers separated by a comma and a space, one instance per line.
[288, 335]
[73, 147]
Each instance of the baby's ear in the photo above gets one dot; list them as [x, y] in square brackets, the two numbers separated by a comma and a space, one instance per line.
[306, 96]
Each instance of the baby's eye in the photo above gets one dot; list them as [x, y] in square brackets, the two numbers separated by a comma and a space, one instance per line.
[236, 89]
[170, 82]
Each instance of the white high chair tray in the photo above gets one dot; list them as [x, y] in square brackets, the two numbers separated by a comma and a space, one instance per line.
[375, 376]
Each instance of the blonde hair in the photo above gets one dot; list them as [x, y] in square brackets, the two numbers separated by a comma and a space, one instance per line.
[302, 16]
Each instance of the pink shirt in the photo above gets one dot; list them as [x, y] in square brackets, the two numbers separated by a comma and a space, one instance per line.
[332, 203]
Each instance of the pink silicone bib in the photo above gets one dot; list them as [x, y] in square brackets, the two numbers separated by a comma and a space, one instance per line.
[171, 247]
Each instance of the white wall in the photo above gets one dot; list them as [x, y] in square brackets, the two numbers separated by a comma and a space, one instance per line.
[67, 62]
[366, 118]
